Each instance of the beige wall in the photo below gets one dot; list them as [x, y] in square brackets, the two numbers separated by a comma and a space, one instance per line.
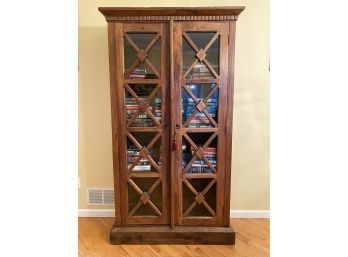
[250, 168]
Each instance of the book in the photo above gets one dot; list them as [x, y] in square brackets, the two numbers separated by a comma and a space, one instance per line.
[201, 70]
[189, 106]
[199, 165]
[141, 167]
[143, 119]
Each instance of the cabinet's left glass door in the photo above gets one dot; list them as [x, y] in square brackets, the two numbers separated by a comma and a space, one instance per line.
[144, 104]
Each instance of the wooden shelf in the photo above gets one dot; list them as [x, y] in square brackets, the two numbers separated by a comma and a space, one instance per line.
[199, 175]
[138, 174]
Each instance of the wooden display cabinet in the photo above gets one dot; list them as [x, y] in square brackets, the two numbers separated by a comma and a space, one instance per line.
[171, 80]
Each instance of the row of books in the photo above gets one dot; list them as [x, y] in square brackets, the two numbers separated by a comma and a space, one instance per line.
[188, 106]
[199, 165]
[200, 71]
[200, 120]
[142, 73]
[144, 164]
[143, 120]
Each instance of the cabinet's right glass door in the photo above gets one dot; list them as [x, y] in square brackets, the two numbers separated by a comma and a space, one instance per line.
[200, 132]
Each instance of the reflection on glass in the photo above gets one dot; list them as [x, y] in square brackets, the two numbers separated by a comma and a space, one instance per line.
[153, 55]
[133, 197]
[201, 91]
[143, 119]
[188, 152]
[213, 54]
[188, 197]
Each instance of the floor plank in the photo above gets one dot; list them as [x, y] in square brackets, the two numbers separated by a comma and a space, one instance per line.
[252, 240]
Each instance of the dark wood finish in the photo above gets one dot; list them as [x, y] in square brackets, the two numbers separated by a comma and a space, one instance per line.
[124, 176]
[252, 240]
[218, 175]
[178, 235]
[168, 13]
[169, 223]
[115, 121]
[172, 129]
[121, 144]
[229, 121]
[176, 124]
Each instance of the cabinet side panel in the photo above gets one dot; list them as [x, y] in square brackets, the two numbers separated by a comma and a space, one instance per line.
[223, 105]
[114, 120]
[120, 126]
[229, 121]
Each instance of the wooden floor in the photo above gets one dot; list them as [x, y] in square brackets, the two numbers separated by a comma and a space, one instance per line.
[252, 240]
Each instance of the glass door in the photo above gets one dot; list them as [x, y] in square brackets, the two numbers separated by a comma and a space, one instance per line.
[144, 98]
[200, 89]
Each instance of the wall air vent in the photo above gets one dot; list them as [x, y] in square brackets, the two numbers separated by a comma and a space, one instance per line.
[100, 196]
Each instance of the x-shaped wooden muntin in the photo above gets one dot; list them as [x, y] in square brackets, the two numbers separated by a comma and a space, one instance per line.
[143, 105]
[199, 197]
[200, 54]
[142, 55]
[144, 197]
[199, 152]
[200, 105]
[144, 151]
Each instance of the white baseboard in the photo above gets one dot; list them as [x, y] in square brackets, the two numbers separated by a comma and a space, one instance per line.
[233, 213]
[250, 214]
[96, 213]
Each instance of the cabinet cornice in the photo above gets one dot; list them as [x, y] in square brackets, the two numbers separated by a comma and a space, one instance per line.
[171, 13]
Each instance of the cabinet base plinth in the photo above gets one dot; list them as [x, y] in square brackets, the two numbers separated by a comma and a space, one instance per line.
[178, 235]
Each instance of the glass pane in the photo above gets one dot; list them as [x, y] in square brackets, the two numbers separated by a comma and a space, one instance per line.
[188, 198]
[200, 91]
[188, 55]
[133, 152]
[200, 165]
[132, 105]
[142, 70]
[134, 198]
[142, 40]
[154, 55]
[201, 39]
[130, 55]
[213, 54]
[200, 69]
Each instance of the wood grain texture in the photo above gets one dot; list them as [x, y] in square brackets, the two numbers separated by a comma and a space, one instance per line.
[167, 13]
[125, 130]
[252, 240]
[229, 119]
[176, 121]
[221, 29]
[172, 121]
[159, 235]
[114, 120]
[170, 82]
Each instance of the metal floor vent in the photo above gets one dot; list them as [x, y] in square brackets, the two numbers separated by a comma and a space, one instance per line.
[100, 196]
